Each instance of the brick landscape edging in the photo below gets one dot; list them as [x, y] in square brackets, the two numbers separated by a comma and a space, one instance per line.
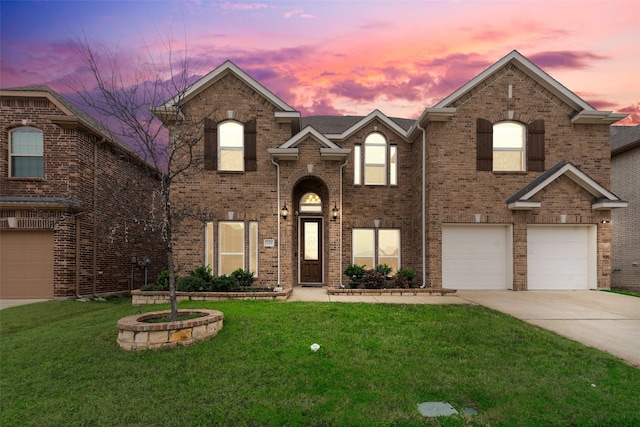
[160, 297]
[136, 334]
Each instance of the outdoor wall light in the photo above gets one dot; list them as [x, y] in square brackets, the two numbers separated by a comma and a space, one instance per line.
[605, 221]
[376, 223]
[285, 211]
[334, 212]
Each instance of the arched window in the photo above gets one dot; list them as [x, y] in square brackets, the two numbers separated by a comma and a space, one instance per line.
[508, 146]
[26, 151]
[310, 203]
[375, 159]
[230, 146]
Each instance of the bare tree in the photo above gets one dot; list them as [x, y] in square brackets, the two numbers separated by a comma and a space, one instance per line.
[136, 109]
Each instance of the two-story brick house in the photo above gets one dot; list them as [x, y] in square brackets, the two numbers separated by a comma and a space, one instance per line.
[501, 185]
[74, 202]
[625, 182]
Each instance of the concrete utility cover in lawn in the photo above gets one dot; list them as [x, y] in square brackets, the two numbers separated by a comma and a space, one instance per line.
[436, 409]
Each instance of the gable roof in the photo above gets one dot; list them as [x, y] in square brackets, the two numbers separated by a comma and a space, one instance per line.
[396, 125]
[603, 198]
[624, 138]
[73, 116]
[329, 150]
[584, 113]
[218, 73]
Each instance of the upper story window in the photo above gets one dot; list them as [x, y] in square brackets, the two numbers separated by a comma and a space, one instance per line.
[230, 146]
[310, 203]
[26, 147]
[380, 165]
[510, 146]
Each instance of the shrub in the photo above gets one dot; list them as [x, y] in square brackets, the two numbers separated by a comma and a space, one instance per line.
[355, 273]
[191, 283]
[161, 284]
[406, 275]
[203, 272]
[373, 279]
[225, 283]
[244, 277]
[384, 269]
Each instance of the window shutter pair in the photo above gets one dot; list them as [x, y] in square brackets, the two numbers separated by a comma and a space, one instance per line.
[535, 145]
[211, 145]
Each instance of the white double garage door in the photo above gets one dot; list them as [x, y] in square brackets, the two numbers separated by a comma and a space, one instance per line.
[559, 257]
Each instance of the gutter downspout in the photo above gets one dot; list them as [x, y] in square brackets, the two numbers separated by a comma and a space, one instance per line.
[341, 215]
[424, 212]
[277, 165]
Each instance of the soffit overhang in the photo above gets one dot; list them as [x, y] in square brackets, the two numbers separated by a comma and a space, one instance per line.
[603, 198]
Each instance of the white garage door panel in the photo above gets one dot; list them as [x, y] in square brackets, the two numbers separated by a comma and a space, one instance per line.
[560, 257]
[475, 257]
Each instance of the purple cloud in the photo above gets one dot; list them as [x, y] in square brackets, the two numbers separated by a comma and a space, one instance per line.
[565, 59]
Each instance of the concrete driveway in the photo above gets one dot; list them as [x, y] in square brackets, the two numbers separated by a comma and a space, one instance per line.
[603, 320]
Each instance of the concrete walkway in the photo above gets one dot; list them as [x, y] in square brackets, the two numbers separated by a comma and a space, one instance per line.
[603, 320]
[6, 303]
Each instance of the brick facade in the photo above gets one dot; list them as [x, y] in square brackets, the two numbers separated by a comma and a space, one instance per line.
[625, 183]
[95, 197]
[454, 190]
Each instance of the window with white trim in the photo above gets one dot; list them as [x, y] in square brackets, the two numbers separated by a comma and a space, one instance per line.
[231, 246]
[508, 146]
[375, 159]
[253, 248]
[230, 146]
[357, 165]
[373, 247]
[26, 153]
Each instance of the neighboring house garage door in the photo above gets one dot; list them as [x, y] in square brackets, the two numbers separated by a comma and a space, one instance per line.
[26, 264]
[561, 257]
[476, 257]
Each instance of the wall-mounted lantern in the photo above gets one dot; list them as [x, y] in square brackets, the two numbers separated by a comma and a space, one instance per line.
[285, 211]
[334, 212]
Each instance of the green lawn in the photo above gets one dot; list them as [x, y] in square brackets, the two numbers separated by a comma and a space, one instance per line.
[60, 365]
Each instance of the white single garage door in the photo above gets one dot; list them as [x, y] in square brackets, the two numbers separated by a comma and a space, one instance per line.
[26, 264]
[561, 257]
[477, 256]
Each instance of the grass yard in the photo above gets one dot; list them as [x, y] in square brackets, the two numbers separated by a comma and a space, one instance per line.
[60, 365]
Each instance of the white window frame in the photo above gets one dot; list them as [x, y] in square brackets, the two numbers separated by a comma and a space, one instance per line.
[375, 255]
[368, 143]
[508, 148]
[222, 147]
[357, 164]
[254, 248]
[393, 165]
[221, 253]
[22, 155]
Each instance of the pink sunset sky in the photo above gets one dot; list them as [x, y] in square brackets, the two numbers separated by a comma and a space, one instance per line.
[340, 57]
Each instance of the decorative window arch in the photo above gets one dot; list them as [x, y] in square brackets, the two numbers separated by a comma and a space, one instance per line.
[510, 146]
[310, 203]
[26, 153]
[230, 146]
[375, 159]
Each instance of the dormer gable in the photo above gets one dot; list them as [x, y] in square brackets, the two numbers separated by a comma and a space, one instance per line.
[328, 149]
[603, 199]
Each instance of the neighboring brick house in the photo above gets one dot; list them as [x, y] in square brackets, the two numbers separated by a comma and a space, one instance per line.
[501, 185]
[625, 182]
[74, 202]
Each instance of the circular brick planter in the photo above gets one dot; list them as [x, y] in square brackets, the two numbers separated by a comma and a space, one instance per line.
[136, 334]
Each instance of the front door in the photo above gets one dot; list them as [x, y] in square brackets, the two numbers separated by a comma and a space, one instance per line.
[310, 250]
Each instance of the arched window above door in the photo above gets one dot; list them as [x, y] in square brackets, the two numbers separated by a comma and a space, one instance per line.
[310, 203]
